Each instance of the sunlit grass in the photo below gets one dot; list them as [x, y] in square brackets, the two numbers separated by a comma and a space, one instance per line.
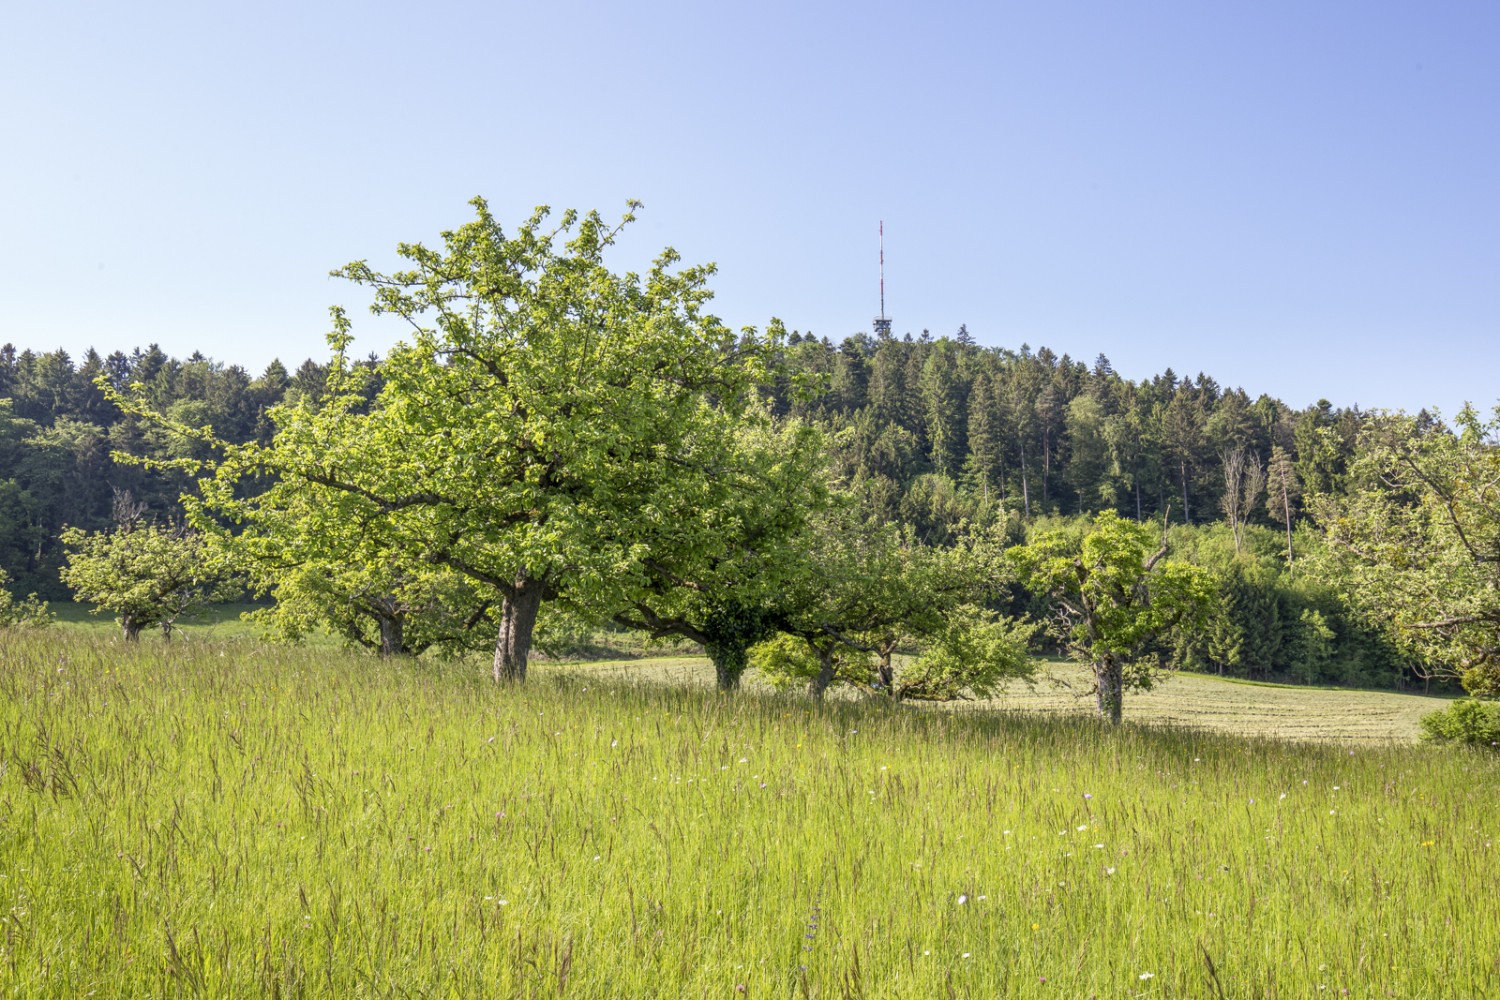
[1198, 701]
[230, 819]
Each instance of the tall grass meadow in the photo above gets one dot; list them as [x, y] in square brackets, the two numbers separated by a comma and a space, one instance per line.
[229, 819]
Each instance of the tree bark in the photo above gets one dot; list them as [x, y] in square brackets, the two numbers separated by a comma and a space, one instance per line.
[1025, 486]
[130, 629]
[1109, 683]
[517, 621]
[1286, 503]
[886, 670]
[392, 637]
[1187, 515]
[1046, 464]
[824, 678]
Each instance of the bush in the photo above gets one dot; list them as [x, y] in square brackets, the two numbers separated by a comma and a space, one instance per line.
[1470, 721]
[27, 613]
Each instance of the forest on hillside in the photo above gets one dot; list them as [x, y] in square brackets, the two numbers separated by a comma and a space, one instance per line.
[931, 430]
[932, 433]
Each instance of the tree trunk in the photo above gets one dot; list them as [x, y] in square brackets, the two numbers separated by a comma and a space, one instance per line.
[130, 629]
[517, 621]
[1025, 485]
[887, 671]
[392, 637]
[729, 660]
[1109, 682]
[1046, 465]
[1187, 515]
[1286, 503]
[824, 678]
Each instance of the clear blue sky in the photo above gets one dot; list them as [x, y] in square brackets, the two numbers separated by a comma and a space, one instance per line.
[1299, 198]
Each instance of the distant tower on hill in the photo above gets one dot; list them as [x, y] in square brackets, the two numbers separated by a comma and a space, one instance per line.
[882, 322]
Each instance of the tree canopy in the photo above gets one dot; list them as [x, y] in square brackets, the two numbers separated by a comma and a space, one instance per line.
[1113, 593]
[533, 433]
[150, 575]
[1419, 539]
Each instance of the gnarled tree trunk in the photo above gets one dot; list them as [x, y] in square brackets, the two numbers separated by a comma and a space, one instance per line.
[820, 683]
[392, 635]
[517, 621]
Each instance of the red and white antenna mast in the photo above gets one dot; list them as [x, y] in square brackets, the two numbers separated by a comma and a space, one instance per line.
[882, 322]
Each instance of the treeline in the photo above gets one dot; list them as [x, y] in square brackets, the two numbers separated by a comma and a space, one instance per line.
[930, 433]
[928, 428]
[59, 431]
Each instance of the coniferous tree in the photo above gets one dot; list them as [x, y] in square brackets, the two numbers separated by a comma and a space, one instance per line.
[985, 465]
[944, 410]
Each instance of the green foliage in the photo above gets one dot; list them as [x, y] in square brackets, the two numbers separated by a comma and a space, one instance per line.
[864, 587]
[934, 433]
[325, 566]
[147, 574]
[1312, 647]
[1469, 721]
[722, 560]
[1115, 595]
[536, 435]
[28, 612]
[970, 655]
[788, 660]
[1112, 598]
[1418, 541]
[936, 509]
[375, 606]
[967, 654]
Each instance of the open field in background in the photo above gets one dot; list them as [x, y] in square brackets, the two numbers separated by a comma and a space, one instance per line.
[1201, 701]
[229, 819]
[220, 622]
[216, 622]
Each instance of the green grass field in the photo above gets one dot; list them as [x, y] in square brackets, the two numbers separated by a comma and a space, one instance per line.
[222, 818]
[1199, 701]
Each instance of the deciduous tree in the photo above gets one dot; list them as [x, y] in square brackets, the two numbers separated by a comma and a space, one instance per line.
[149, 575]
[719, 568]
[870, 590]
[28, 612]
[1420, 539]
[1113, 592]
[531, 433]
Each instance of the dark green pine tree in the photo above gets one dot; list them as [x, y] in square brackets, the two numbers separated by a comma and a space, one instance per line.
[944, 410]
[985, 467]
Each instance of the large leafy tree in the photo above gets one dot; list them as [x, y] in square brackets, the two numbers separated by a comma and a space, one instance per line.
[722, 567]
[1419, 539]
[325, 572]
[531, 434]
[1113, 593]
